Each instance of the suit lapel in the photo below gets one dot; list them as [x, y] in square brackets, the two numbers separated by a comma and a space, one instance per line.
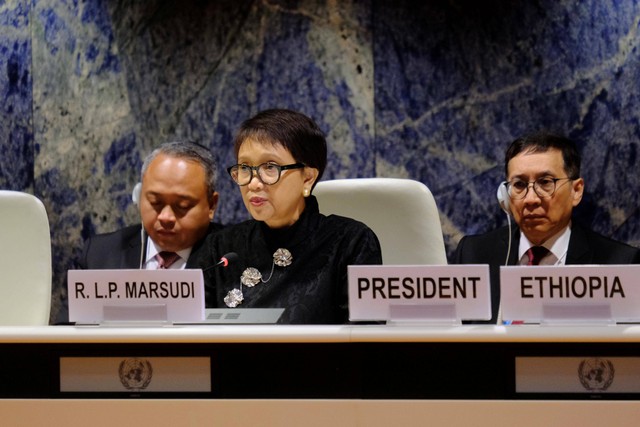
[192, 262]
[515, 243]
[579, 251]
[133, 252]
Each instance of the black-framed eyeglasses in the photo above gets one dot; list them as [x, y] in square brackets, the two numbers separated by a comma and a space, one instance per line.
[544, 187]
[268, 173]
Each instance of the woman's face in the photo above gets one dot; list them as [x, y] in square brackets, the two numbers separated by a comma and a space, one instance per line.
[278, 205]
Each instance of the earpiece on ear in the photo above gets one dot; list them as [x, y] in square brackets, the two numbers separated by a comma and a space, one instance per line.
[135, 194]
[503, 197]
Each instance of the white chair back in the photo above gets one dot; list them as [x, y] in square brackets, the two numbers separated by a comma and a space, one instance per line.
[402, 213]
[25, 260]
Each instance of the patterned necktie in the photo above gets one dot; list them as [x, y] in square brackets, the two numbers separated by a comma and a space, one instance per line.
[535, 254]
[165, 259]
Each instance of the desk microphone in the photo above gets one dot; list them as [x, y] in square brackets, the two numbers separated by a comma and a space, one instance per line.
[224, 260]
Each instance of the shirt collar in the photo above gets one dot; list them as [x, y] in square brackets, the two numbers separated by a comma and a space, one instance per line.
[558, 245]
[153, 249]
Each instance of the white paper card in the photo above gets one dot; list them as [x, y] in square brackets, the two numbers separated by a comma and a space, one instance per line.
[570, 293]
[97, 296]
[425, 293]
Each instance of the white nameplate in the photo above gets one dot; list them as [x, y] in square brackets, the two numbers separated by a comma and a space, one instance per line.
[97, 296]
[135, 374]
[570, 293]
[424, 293]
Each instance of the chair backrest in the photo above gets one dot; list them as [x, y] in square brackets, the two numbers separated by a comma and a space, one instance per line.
[25, 260]
[402, 213]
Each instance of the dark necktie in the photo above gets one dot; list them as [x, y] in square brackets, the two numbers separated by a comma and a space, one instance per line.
[535, 254]
[165, 259]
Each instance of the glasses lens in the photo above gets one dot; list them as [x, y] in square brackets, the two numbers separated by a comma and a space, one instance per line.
[241, 174]
[269, 173]
[518, 189]
[545, 186]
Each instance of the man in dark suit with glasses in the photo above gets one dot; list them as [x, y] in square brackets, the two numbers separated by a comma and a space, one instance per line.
[543, 186]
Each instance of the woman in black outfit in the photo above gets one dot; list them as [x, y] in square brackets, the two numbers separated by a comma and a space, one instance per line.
[289, 255]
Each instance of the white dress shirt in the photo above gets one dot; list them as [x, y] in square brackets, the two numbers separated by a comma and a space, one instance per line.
[557, 245]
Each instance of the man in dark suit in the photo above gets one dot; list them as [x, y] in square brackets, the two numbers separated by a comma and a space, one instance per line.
[542, 188]
[177, 201]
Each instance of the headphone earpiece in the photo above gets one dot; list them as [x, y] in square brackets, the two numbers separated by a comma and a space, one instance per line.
[503, 197]
[135, 194]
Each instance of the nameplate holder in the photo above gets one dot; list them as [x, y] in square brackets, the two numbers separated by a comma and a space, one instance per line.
[586, 315]
[570, 294]
[414, 314]
[142, 314]
[419, 294]
[135, 296]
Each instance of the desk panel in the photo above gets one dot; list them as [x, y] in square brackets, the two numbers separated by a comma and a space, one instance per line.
[370, 362]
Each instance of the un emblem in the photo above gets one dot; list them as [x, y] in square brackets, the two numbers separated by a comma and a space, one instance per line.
[135, 374]
[596, 374]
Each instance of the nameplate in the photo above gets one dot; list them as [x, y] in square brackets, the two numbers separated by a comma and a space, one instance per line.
[419, 293]
[99, 296]
[135, 374]
[578, 374]
[570, 293]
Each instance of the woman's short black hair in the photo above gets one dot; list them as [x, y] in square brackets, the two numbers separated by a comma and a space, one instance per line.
[294, 131]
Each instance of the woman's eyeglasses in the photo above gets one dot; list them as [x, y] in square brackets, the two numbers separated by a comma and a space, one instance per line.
[268, 173]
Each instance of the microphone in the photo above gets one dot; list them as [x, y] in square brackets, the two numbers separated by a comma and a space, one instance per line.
[224, 260]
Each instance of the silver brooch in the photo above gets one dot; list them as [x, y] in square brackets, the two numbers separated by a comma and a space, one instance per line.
[234, 298]
[250, 277]
[282, 257]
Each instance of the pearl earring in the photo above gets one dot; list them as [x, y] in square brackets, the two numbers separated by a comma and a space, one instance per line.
[306, 192]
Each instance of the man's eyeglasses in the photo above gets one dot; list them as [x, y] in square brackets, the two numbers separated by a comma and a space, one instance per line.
[268, 173]
[544, 187]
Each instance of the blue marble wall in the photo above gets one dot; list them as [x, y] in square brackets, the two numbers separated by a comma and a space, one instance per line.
[457, 81]
[17, 154]
[432, 91]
